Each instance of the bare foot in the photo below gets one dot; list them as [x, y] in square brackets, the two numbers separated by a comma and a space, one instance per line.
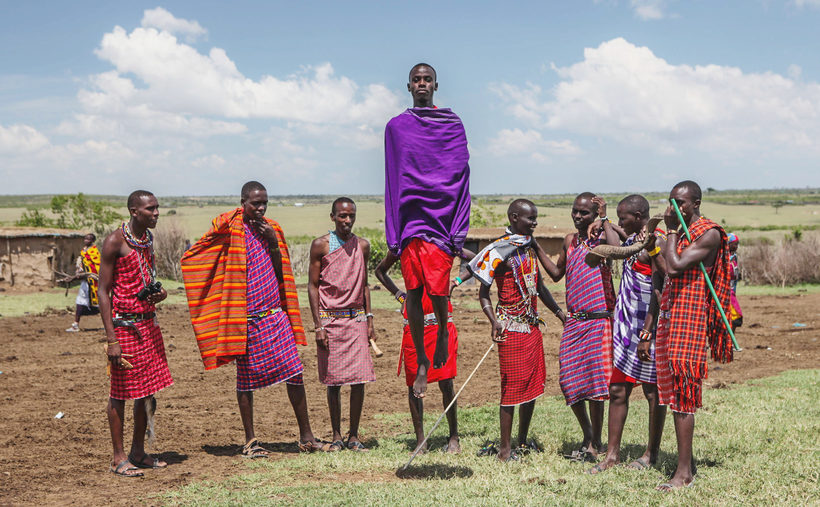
[675, 483]
[453, 446]
[442, 352]
[420, 385]
[423, 450]
[604, 465]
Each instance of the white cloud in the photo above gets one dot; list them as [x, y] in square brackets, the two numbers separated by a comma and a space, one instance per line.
[529, 142]
[163, 20]
[179, 79]
[21, 139]
[188, 119]
[648, 9]
[626, 93]
[806, 3]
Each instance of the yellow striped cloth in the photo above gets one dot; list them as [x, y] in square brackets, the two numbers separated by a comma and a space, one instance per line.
[216, 284]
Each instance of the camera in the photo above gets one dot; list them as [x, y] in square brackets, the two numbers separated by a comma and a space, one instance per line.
[151, 288]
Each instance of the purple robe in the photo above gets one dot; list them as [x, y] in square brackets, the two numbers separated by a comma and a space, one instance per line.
[427, 180]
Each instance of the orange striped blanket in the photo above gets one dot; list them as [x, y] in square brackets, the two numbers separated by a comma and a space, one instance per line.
[216, 285]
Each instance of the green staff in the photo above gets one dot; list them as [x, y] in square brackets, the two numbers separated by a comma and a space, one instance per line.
[706, 276]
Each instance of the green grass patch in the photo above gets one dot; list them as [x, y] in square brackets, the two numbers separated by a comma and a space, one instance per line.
[32, 303]
[755, 444]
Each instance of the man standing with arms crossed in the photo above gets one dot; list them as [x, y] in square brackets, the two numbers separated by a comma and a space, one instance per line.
[427, 207]
[340, 305]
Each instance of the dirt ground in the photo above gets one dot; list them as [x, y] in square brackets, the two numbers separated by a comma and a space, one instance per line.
[46, 370]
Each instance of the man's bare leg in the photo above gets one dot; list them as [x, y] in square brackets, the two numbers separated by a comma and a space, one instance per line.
[334, 404]
[657, 418]
[684, 430]
[138, 454]
[443, 337]
[116, 414]
[447, 395]
[618, 410]
[505, 446]
[298, 400]
[356, 404]
[596, 417]
[580, 410]
[525, 411]
[415, 320]
[417, 415]
[245, 400]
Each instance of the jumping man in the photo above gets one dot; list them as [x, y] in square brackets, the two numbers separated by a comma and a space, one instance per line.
[427, 207]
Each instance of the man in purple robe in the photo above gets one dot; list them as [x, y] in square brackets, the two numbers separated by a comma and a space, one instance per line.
[427, 206]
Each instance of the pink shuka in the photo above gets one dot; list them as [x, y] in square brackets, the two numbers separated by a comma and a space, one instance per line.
[346, 360]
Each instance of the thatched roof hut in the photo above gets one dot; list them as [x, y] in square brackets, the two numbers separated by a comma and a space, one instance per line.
[30, 256]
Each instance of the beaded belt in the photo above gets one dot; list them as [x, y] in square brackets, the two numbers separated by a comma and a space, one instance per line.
[431, 320]
[133, 317]
[265, 313]
[518, 323]
[664, 314]
[341, 314]
[589, 315]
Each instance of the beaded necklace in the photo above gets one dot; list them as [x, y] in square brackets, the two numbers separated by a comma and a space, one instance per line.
[147, 240]
[145, 252]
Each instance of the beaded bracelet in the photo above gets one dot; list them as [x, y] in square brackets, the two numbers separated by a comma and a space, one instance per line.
[459, 281]
[655, 251]
[644, 335]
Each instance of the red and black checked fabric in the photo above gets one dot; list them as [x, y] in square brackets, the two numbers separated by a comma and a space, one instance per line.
[408, 349]
[150, 373]
[694, 322]
[585, 352]
[521, 355]
[271, 355]
[128, 280]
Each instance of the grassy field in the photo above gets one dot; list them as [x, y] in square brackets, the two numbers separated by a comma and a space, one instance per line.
[302, 223]
[755, 444]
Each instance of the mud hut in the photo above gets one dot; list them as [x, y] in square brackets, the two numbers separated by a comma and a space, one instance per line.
[30, 256]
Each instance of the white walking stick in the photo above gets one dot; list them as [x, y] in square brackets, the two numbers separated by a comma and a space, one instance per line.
[421, 445]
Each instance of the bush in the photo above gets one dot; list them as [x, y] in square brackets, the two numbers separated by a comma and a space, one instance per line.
[787, 262]
[170, 242]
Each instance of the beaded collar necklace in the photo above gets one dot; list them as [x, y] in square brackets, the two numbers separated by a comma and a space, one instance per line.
[147, 240]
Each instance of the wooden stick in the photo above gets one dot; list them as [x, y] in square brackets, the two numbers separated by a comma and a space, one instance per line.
[418, 449]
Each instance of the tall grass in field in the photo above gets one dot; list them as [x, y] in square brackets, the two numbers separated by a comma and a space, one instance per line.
[170, 242]
[755, 444]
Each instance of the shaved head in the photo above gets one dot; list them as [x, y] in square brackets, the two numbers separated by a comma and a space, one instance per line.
[416, 66]
[249, 187]
[635, 204]
[587, 196]
[136, 196]
[520, 207]
[692, 187]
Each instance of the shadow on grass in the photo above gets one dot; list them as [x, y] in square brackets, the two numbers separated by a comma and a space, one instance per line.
[236, 449]
[434, 471]
[433, 444]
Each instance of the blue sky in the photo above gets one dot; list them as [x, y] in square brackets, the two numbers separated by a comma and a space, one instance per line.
[603, 95]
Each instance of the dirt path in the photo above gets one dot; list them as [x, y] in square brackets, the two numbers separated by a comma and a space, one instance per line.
[46, 370]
